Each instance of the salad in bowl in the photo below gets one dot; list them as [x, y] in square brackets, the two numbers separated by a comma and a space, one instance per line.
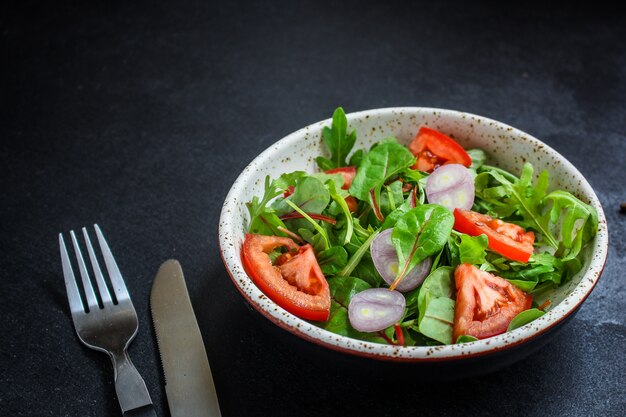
[413, 233]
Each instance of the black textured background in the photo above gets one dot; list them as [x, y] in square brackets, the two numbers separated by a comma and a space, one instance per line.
[139, 117]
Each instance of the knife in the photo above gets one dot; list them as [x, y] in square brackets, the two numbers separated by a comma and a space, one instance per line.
[188, 382]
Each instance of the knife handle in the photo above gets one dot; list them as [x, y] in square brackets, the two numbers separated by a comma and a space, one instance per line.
[145, 411]
[130, 387]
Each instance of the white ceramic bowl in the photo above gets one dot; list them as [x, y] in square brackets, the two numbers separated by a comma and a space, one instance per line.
[507, 148]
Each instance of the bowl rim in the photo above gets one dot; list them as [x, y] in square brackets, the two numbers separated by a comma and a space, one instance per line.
[308, 331]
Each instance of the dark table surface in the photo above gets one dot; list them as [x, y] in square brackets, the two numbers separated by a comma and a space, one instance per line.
[140, 117]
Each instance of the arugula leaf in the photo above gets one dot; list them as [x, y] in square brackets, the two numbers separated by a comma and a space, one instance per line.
[267, 223]
[525, 198]
[524, 318]
[380, 164]
[472, 249]
[418, 234]
[576, 221]
[263, 221]
[356, 158]
[436, 306]
[288, 179]
[338, 140]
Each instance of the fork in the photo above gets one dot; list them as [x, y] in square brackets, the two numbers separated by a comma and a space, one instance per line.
[108, 324]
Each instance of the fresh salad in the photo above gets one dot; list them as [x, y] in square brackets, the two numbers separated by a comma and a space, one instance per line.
[416, 246]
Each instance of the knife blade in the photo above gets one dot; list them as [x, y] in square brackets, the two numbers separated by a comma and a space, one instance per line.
[188, 381]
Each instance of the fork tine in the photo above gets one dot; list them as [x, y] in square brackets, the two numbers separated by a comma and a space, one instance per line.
[102, 287]
[114, 273]
[73, 296]
[92, 302]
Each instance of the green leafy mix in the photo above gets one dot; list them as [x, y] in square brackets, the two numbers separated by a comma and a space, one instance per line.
[527, 203]
[390, 195]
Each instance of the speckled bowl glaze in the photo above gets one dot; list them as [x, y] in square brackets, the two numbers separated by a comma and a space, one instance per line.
[507, 148]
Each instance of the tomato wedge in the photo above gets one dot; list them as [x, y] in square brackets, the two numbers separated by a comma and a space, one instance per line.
[509, 240]
[295, 282]
[348, 175]
[485, 303]
[434, 149]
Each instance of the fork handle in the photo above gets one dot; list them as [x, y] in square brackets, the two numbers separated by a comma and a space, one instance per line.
[130, 387]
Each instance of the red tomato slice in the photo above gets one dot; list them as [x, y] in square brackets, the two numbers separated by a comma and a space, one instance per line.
[434, 149]
[348, 175]
[295, 282]
[509, 240]
[485, 303]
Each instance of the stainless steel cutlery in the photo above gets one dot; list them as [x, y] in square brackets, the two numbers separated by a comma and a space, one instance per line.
[105, 319]
[188, 381]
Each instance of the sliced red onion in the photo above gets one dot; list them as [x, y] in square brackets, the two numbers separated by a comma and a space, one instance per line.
[385, 260]
[451, 186]
[376, 309]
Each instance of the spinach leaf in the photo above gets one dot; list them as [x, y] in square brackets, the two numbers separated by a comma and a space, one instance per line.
[524, 318]
[392, 218]
[436, 306]
[472, 249]
[380, 164]
[342, 289]
[338, 140]
[464, 338]
[317, 240]
[336, 179]
[451, 251]
[310, 195]
[418, 234]
[366, 271]
[332, 260]
[413, 175]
